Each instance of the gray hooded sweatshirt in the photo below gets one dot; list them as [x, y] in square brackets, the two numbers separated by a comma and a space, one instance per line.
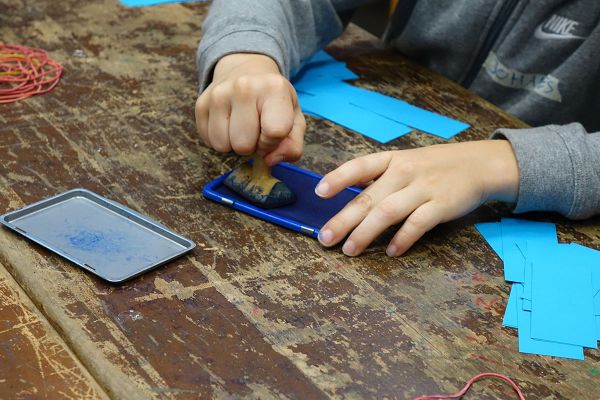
[538, 60]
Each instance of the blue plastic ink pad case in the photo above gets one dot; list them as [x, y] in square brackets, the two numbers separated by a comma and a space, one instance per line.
[98, 234]
[307, 215]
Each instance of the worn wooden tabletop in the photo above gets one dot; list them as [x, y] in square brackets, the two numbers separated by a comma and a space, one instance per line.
[255, 311]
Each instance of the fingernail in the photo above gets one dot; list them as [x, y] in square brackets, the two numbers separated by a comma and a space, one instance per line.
[392, 251]
[349, 248]
[276, 160]
[325, 236]
[322, 189]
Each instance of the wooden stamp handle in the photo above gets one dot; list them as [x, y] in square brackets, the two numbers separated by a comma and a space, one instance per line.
[260, 169]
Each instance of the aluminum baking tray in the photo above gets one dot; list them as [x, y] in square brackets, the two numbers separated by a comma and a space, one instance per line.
[100, 235]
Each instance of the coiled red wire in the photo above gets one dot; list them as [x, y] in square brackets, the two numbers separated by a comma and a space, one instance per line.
[466, 388]
[25, 72]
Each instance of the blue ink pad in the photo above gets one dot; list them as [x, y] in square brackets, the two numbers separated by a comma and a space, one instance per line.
[100, 235]
[306, 215]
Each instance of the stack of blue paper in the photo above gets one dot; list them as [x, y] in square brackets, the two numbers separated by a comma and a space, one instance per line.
[554, 300]
[322, 92]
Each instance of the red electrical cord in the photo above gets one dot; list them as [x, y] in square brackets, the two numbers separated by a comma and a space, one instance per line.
[26, 71]
[465, 389]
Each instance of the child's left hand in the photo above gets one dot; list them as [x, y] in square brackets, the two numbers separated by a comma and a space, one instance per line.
[422, 187]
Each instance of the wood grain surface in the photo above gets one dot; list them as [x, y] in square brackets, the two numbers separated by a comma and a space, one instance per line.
[255, 311]
[34, 360]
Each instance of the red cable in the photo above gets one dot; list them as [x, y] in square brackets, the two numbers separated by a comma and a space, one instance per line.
[465, 389]
[26, 71]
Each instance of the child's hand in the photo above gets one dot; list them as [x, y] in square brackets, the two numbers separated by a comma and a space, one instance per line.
[251, 108]
[422, 187]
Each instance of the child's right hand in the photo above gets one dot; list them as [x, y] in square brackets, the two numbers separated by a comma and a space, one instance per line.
[251, 108]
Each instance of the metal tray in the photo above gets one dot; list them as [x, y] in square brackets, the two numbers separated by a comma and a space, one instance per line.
[100, 235]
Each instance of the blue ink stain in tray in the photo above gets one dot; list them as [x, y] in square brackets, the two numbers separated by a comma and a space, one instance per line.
[94, 241]
[110, 246]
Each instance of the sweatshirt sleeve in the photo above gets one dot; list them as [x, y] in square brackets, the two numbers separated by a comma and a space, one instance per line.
[287, 31]
[559, 168]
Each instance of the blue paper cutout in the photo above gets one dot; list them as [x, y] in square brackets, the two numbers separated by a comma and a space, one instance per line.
[511, 319]
[590, 257]
[323, 76]
[415, 117]
[515, 234]
[388, 107]
[352, 117]
[492, 233]
[529, 345]
[322, 69]
[562, 310]
[527, 280]
[561, 328]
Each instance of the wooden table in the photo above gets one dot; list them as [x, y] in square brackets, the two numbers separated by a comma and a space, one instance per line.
[254, 311]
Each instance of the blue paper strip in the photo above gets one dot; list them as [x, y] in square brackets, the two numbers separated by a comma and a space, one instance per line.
[529, 243]
[492, 233]
[533, 346]
[527, 280]
[316, 71]
[515, 235]
[562, 310]
[591, 258]
[386, 106]
[415, 117]
[359, 120]
[511, 319]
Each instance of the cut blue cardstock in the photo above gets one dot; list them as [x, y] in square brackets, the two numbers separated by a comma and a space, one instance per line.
[514, 262]
[586, 256]
[527, 280]
[323, 75]
[591, 258]
[523, 244]
[387, 106]
[492, 233]
[510, 314]
[523, 230]
[144, 3]
[415, 117]
[522, 248]
[362, 121]
[314, 73]
[515, 235]
[561, 293]
[533, 346]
